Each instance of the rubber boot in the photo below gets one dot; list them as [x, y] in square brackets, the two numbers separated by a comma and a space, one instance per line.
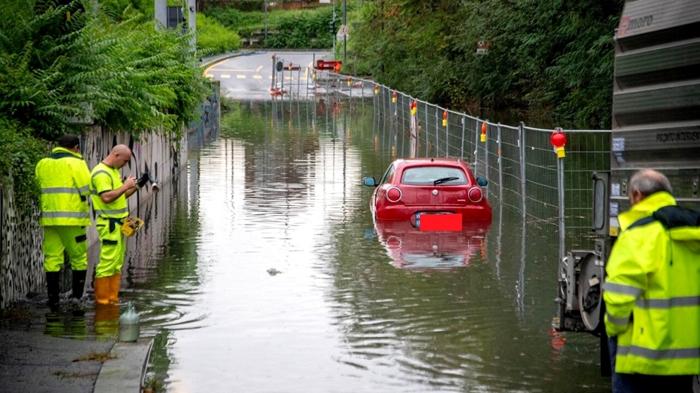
[78, 283]
[52, 279]
[102, 290]
[115, 283]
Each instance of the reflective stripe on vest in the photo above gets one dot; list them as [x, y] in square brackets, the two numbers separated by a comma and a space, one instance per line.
[668, 303]
[111, 211]
[65, 190]
[621, 288]
[65, 214]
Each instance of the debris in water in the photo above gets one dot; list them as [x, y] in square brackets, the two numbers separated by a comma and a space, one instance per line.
[273, 272]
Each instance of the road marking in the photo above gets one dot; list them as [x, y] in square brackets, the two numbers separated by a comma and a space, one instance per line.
[225, 76]
[258, 69]
[257, 76]
[239, 76]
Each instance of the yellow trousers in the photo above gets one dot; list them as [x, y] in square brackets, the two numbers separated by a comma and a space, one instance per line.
[112, 248]
[71, 239]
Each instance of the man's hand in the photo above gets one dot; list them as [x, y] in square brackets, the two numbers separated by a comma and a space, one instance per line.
[130, 182]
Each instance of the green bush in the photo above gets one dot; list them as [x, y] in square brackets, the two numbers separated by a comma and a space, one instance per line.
[62, 65]
[213, 37]
[19, 153]
[302, 30]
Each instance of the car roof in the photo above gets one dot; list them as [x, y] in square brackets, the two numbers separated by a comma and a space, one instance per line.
[430, 161]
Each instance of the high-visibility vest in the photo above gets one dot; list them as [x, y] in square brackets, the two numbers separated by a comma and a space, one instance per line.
[105, 178]
[652, 291]
[64, 180]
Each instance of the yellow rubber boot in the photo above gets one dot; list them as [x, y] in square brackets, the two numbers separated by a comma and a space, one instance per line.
[115, 282]
[102, 288]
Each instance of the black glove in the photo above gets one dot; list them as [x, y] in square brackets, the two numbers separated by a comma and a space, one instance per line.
[145, 178]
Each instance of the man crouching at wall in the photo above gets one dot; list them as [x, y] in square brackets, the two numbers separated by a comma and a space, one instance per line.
[109, 201]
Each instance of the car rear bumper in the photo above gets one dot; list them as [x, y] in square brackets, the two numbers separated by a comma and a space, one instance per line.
[402, 213]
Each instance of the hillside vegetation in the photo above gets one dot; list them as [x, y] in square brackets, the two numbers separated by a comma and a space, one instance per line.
[552, 59]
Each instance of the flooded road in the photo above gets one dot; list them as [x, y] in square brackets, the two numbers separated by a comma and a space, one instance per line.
[272, 277]
[260, 270]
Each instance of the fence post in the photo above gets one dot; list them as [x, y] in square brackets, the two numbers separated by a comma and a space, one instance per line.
[461, 149]
[437, 133]
[523, 181]
[447, 136]
[562, 210]
[476, 145]
[499, 156]
[486, 157]
[427, 130]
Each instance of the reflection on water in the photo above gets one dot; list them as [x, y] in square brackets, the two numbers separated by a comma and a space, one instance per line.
[410, 248]
[465, 311]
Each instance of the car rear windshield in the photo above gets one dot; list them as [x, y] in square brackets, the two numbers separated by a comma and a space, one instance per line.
[434, 175]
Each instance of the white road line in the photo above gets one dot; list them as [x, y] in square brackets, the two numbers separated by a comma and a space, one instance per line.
[225, 76]
[257, 76]
[239, 76]
[258, 69]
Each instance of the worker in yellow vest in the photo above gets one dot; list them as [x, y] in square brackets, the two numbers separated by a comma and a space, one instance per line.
[64, 180]
[109, 196]
[652, 291]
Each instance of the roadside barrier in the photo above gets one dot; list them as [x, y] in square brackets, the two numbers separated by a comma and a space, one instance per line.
[519, 161]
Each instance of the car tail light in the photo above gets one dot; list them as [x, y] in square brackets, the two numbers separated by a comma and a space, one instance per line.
[475, 194]
[393, 194]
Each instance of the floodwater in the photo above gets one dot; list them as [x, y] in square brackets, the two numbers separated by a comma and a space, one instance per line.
[268, 275]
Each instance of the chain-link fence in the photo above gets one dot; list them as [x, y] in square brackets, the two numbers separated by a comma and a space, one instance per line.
[518, 161]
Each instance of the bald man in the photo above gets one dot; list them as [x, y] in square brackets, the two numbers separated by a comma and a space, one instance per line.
[652, 291]
[109, 196]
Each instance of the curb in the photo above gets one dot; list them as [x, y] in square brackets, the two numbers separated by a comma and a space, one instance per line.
[126, 369]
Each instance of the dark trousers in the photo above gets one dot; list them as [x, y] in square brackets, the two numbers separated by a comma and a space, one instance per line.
[642, 383]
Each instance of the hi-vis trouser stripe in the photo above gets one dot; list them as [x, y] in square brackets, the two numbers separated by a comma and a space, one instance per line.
[621, 288]
[65, 190]
[65, 215]
[682, 353]
[112, 211]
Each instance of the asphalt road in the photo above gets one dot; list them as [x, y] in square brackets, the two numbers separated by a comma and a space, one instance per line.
[249, 76]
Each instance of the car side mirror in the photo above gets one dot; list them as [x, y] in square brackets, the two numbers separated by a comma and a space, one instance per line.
[369, 181]
[481, 181]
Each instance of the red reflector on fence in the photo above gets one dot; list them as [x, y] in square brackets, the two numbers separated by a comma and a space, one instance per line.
[440, 222]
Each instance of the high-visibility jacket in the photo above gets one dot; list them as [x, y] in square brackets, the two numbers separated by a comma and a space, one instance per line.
[105, 178]
[64, 180]
[652, 292]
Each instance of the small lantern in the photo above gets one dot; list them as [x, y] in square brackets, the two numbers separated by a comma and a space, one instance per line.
[349, 81]
[444, 118]
[376, 90]
[394, 97]
[558, 141]
[484, 128]
[414, 108]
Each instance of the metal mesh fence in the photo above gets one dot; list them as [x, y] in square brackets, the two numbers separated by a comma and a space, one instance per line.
[518, 161]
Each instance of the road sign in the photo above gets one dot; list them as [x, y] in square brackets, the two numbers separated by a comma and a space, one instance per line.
[279, 66]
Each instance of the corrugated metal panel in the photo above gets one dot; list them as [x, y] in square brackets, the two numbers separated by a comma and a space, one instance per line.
[656, 94]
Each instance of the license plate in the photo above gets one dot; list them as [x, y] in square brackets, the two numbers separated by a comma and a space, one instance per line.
[440, 222]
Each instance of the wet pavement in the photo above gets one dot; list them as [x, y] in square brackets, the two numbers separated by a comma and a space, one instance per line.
[264, 272]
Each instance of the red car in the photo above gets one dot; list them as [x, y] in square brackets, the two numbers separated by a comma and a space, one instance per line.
[412, 189]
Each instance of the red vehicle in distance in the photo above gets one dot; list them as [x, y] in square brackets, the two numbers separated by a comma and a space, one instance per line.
[422, 188]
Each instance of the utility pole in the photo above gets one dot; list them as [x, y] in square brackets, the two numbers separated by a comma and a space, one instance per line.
[345, 36]
[265, 21]
[333, 29]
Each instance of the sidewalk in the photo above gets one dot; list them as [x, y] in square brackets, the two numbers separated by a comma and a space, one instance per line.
[32, 359]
